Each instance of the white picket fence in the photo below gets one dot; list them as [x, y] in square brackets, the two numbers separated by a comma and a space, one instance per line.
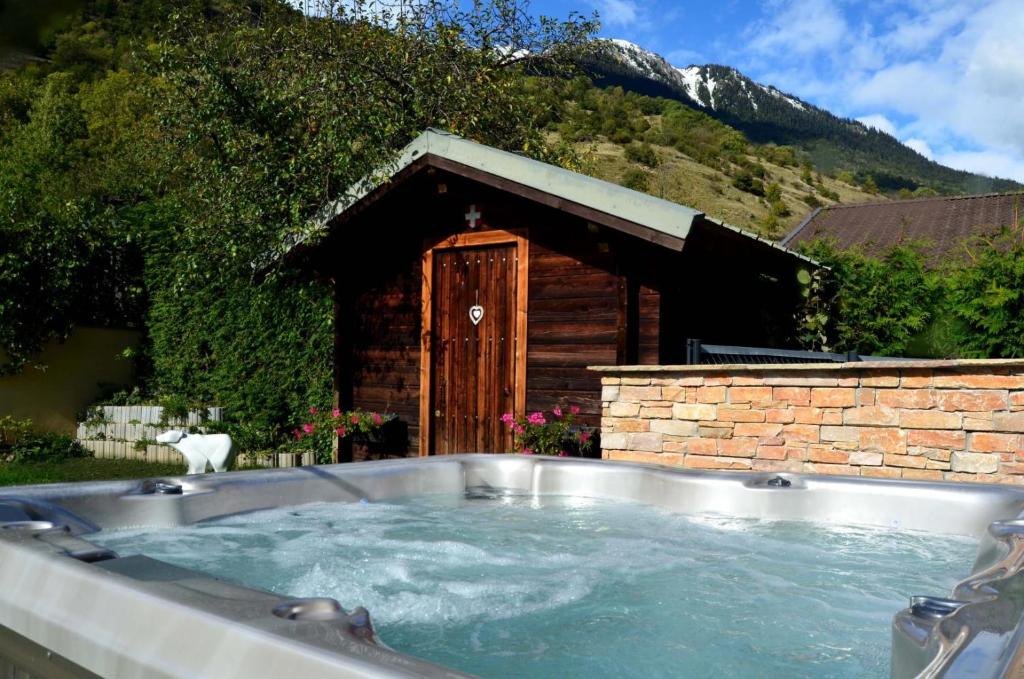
[118, 430]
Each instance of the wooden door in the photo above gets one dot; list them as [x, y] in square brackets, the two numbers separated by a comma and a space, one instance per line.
[473, 338]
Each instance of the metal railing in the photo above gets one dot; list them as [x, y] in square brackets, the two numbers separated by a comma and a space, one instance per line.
[698, 353]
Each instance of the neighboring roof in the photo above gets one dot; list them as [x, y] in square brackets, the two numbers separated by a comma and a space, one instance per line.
[668, 223]
[942, 223]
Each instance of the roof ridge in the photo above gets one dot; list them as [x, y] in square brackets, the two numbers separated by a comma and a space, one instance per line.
[963, 196]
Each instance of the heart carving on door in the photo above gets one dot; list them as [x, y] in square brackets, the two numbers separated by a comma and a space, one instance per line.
[476, 314]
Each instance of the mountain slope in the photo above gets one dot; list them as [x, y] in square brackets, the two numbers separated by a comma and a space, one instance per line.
[767, 115]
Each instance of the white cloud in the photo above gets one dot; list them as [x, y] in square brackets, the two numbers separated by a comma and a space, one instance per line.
[618, 12]
[879, 122]
[921, 146]
[951, 71]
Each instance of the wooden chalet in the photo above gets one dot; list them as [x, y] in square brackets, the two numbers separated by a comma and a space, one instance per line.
[475, 282]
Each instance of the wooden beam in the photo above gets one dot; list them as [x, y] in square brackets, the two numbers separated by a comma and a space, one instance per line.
[426, 351]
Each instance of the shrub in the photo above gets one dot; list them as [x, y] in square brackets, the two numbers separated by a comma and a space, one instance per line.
[560, 435]
[317, 433]
[642, 153]
[636, 179]
[745, 181]
[812, 200]
[46, 447]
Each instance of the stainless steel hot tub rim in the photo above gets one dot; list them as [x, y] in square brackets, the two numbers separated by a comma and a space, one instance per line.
[45, 529]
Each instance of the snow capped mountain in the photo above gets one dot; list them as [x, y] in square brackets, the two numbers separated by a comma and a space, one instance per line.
[697, 83]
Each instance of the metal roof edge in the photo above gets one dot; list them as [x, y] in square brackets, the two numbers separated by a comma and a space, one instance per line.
[766, 241]
[799, 227]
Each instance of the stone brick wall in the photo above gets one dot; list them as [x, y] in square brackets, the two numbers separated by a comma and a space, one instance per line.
[931, 420]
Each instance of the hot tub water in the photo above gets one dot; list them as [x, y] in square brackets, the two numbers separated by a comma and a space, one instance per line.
[507, 585]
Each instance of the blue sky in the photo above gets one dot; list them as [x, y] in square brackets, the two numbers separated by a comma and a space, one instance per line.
[946, 77]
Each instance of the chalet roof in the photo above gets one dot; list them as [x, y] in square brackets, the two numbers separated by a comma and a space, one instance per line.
[657, 220]
[941, 223]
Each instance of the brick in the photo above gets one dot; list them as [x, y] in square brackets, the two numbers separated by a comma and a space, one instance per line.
[977, 422]
[750, 394]
[1011, 468]
[679, 381]
[879, 380]
[674, 446]
[611, 380]
[779, 415]
[656, 413]
[702, 447]
[673, 393]
[833, 397]
[675, 427]
[620, 409]
[851, 381]
[976, 478]
[934, 454]
[737, 447]
[609, 393]
[648, 441]
[812, 415]
[872, 416]
[922, 474]
[796, 396]
[866, 396]
[868, 459]
[711, 395]
[937, 464]
[774, 441]
[974, 400]
[807, 433]
[793, 453]
[985, 442]
[771, 453]
[716, 432]
[832, 416]
[828, 455]
[613, 441]
[843, 469]
[915, 380]
[1008, 422]
[882, 472]
[717, 381]
[1017, 399]
[976, 463]
[937, 439]
[915, 461]
[639, 393]
[629, 425]
[759, 429]
[906, 398]
[688, 411]
[929, 419]
[801, 381]
[634, 456]
[637, 381]
[979, 381]
[883, 440]
[771, 465]
[701, 462]
[740, 381]
[833, 433]
[737, 415]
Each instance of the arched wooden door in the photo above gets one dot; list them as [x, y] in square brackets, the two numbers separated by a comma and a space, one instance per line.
[475, 348]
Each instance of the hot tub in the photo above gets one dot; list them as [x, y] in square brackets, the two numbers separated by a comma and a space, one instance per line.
[70, 605]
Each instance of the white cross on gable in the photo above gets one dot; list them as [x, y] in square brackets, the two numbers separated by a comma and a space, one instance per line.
[473, 216]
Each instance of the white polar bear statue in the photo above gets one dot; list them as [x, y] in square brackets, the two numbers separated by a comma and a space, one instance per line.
[200, 449]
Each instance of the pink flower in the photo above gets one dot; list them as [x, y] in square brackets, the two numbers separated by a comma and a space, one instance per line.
[584, 436]
[508, 418]
[355, 418]
[527, 451]
[377, 419]
[308, 427]
[536, 418]
[518, 428]
[575, 410]
[340, 431]
[335, 413]
[557, 411]
[298, 433]
[563, 454]
[313, 411]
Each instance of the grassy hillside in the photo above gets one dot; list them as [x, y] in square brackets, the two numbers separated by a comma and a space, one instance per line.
[674, 152]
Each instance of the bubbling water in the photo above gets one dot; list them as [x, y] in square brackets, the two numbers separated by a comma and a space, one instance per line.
[510, 585]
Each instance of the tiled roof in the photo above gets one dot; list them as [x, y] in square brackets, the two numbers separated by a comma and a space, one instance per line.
[942, 224]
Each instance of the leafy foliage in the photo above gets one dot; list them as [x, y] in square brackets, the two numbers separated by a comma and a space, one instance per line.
[988, 299]
[558, 435]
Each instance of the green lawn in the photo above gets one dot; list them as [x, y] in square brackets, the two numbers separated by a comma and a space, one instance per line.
[84, 469]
